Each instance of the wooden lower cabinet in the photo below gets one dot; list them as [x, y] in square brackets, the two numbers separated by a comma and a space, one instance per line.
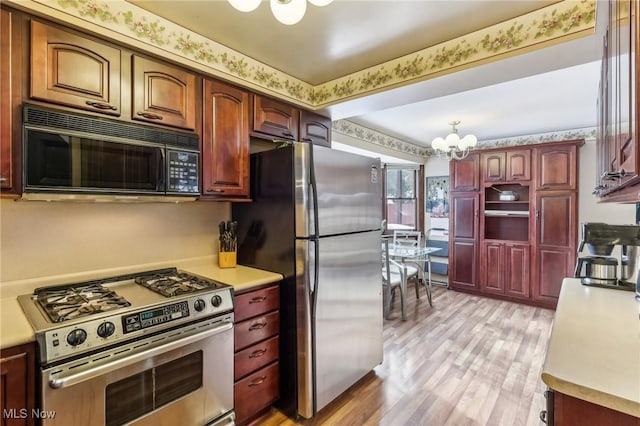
[570, 411]
[505, 268]
[17, 386]
[256, 366]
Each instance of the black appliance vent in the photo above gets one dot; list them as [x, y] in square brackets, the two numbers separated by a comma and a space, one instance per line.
[60, 120]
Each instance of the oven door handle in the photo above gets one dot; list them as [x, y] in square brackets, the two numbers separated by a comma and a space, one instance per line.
[72, 379]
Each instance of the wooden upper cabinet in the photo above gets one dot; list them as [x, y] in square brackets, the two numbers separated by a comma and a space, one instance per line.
[163, 94]
[275, 119]
[493, 166]
[6, 100]
[464, 174]
[506, 166]
[518, 165]
[557, 167]
[75, 71]
[315, 129]
[225, 141]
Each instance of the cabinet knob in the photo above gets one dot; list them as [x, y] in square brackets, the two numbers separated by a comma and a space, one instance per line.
[150, 116]
[101, 105]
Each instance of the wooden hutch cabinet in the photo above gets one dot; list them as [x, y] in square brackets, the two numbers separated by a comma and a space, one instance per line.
[225, 142]
[518, 247]
[17, 387]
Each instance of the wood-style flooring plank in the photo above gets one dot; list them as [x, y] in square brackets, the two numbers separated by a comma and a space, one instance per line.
[467, 360]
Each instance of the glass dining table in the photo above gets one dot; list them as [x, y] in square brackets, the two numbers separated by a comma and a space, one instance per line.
[418, 256]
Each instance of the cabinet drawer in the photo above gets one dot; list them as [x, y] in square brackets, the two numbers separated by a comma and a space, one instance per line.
[256, 392]
[255, 357]
[256, 302]
[256, 329]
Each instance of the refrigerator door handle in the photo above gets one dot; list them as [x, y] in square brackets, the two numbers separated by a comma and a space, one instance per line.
[314, 194]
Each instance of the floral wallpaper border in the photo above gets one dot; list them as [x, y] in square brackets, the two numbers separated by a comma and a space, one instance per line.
[553, 24]
[379, 139]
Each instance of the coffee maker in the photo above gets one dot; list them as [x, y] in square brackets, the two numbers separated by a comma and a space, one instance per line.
[600, 268]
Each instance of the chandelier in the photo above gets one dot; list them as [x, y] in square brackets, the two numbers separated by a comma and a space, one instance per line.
[288, 12]
[452, 147]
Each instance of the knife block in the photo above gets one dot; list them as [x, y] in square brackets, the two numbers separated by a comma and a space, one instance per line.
[226, 259]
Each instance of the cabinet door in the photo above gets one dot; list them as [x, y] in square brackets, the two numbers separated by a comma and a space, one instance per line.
[493, 166]
[75, 71]
[556, 167]
[274, 118]
[17, 383]
[463, 220]
[556, 235]
[7, 95]
[225, 141]
[517, 259]
[465, 174]
[518, 166]
[315, 129]
[492, 267]
[163, 94]
[463, 252]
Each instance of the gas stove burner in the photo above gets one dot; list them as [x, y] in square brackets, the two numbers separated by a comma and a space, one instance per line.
[62, 304]
[175, 283]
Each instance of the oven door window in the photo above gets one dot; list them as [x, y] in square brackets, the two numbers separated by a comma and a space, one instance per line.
[142, 393]
[77, 163]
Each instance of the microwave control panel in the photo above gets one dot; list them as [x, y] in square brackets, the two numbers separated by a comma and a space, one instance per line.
[183, 172]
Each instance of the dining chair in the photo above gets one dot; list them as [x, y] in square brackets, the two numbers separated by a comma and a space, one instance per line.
[393, 276]
[410, 238]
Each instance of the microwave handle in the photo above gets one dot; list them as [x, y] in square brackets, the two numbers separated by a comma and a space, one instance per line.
[162, 171]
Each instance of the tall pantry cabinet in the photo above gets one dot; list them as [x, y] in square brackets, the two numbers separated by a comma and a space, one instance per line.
[513, 222]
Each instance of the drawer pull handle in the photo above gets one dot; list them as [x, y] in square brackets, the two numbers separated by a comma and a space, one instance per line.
[257, 353]
[307, 139]
[258, 381]
[215, 190]
[3, 179]
[258, 326]
[150, 116]
[258, 299]
[101, 105]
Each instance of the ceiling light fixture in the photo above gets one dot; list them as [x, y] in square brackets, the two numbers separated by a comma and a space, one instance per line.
[288, 12]
[452, 147]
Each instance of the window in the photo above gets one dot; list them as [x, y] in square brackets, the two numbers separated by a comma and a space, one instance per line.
[401, 197]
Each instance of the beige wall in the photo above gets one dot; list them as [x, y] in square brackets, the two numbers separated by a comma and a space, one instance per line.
[39, 238]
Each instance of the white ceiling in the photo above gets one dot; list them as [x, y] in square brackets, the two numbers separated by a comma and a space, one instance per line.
[551, 89]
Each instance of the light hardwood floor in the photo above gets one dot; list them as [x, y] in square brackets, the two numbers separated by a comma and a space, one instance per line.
[467, 361]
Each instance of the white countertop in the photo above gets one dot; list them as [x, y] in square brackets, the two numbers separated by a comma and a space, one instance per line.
[15, 329]
[594, 348]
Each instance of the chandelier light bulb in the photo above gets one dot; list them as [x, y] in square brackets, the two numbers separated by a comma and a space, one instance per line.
[245, 5]
[288, 12]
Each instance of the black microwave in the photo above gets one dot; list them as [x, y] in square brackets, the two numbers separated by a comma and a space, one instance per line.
[67, 153]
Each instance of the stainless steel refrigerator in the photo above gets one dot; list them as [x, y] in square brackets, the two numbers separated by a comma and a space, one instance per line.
[315, 218]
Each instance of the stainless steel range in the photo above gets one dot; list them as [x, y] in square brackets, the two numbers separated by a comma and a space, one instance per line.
[152, 348]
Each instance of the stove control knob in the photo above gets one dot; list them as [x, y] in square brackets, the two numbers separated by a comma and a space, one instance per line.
[77, 337]
[216, 300]
[106, 329]
[199, 305]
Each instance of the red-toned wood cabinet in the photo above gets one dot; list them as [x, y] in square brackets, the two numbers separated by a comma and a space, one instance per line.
[274, 119]
[512, 165]
[163, 94]
[256, 366]
[225, 141]
[557, 167]
[464, 174]
[463, 240]
[75, 71]
[17, 385]
[315, 128]
[10, 66]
